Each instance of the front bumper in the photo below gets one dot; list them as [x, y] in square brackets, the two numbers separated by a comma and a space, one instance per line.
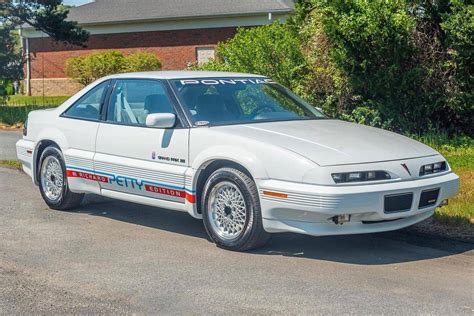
[309, 209]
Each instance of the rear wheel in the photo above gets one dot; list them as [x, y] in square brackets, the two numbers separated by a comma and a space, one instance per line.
[53, 181]
[231, 211]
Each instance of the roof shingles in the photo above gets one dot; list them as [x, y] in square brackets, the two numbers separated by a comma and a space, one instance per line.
[110, 11]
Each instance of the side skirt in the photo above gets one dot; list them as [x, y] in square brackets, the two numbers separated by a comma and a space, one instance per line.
[144, 200]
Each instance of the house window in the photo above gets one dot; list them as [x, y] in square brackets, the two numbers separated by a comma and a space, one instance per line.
[205, 54]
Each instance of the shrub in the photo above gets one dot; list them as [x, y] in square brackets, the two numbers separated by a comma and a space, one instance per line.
[272, 50]
[367, 116]
[86, 69]
[17, 114]
[142, 61]
[408, 65]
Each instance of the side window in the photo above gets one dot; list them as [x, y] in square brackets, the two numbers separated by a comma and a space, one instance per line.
[132, 100]
[88, 107]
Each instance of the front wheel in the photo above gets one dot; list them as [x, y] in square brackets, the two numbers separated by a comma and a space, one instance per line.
[53, 181]
[231, 211]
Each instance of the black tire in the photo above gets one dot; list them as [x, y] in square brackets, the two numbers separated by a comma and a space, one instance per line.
[67, 200]
[253, 235]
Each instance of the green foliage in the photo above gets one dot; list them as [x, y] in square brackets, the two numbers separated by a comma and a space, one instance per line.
[368, 52]
[402, 64]
[272, 50]
[16, 114]
[458, 28]
[367, 116]
[22, 100]
[10, 55]
[142, 61]
[86, 69]
[11, 163]
[48, 16]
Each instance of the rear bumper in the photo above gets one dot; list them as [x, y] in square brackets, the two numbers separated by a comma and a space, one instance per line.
[25, 153]
[308, 209]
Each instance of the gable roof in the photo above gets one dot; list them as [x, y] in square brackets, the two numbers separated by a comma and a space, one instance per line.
[110, 11]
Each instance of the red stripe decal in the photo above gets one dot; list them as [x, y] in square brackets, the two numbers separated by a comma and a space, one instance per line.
[191, 198]
[87, 176]
[150, 188]
[165, 191]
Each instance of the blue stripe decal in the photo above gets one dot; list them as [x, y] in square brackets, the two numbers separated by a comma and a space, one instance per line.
[144, 181]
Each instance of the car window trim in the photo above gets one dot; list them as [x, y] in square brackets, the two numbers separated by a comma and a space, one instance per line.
[102, 101]
[178, 106]
[183, 124]
[190, 118]
[104, 108]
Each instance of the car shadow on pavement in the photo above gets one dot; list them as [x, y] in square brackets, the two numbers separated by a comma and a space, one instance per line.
[367, 249]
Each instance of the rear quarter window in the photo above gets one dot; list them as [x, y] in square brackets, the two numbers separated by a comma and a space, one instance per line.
[88, 107]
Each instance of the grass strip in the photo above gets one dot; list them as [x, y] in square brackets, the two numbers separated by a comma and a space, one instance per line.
[11, 163]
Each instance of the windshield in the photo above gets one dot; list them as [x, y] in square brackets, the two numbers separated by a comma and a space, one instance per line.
[222, 101]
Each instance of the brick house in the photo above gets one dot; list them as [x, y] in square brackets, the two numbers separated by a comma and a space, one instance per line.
[179, 32]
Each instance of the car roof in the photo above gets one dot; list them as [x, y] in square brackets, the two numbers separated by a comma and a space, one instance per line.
[183, 75]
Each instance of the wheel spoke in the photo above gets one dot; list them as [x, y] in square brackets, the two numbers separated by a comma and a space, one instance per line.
[227, 210]
[52, 178]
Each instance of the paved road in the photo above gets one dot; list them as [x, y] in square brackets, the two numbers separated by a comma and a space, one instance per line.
[7, 144]
[110, 257]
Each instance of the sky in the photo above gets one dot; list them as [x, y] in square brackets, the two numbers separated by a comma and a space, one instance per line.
[76, 2]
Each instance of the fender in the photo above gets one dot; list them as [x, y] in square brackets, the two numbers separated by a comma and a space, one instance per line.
[243, 157]
[47, 135]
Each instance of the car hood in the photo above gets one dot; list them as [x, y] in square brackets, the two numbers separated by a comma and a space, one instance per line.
[333, 142]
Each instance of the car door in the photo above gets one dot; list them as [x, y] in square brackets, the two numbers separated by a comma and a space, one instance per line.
[138, 160]
[79, 125]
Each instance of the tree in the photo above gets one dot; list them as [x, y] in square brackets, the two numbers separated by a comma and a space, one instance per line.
[48, 16]
[400, 64]
[10, 54]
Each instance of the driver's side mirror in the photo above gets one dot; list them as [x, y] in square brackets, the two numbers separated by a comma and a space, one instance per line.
[161, 120]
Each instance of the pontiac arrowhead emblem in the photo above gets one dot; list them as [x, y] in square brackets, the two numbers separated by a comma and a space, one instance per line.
[406, 168]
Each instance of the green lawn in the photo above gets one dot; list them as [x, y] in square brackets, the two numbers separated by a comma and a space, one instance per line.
[460, 210]
[459, 151]
[22, 100]
[11, 163]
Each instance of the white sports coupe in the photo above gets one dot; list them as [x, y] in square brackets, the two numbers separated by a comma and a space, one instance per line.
[239, 151]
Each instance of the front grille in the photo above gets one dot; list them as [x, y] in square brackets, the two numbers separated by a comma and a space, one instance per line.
[428, 198]
[398, 202]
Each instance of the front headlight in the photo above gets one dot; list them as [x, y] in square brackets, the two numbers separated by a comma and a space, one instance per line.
[433, 168]
[360, 176]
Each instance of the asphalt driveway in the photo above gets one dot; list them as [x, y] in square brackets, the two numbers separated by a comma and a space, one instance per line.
[8, 140]
[117, 257]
